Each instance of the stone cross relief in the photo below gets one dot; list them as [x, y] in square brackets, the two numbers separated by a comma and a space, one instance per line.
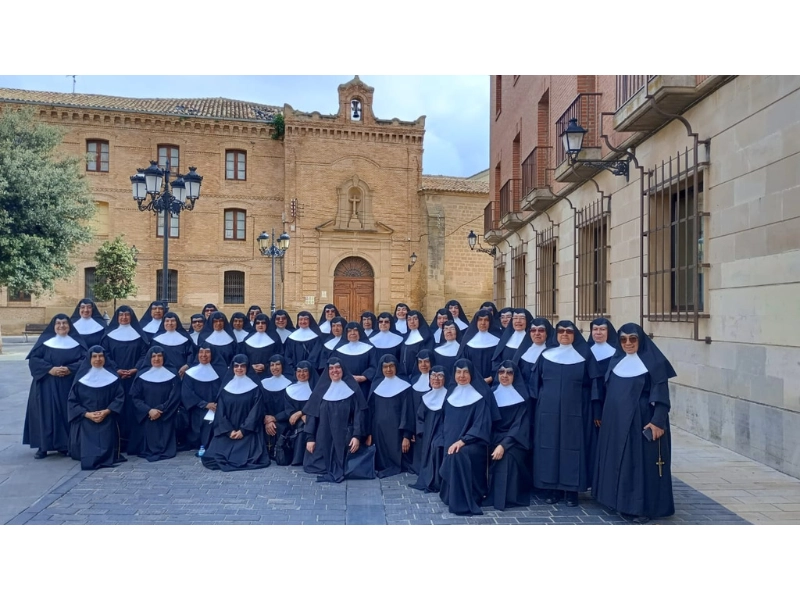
[354, 222]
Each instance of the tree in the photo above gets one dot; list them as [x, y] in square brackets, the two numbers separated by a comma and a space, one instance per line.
[115, 271]
[45, 204]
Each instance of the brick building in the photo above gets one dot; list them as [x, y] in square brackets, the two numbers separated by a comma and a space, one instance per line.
[348, 188]
[700, 243]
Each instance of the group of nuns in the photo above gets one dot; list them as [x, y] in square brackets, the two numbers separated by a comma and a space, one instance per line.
[484, 412]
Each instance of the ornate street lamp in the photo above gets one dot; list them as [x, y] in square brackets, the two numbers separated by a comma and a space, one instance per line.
[274, 251]
[472, 239]
[572, 138]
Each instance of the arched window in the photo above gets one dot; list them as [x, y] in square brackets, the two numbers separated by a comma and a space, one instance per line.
[171, 153]
[234, 287]
[234, 224]
[235, 165]
[97, 159]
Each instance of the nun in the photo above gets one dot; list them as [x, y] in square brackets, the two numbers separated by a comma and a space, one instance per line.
[176, 343]
[238, 431]
[392, 419]
[509, 473]
[337, 421]
[305, 342]
[53, 362]
[218, 332]
[262, 343]
[208, 310]
[633, 470]
[457, 313]
[369, 323]
[506, 314]
[417, 338]
[420, 385]
[197, 326]
[328, 313]
[156, 395]
[388, 340]
[400, 316]
[151, 321]
[442, 316]
[540, 334]
[88, 322]
[561, 388]
[512, 337]
[125, 344]
[446, 353]
[94, 404]
[282, 324]
[466, 431]
[252, 313]
[295, 397]
[429, 444]
[274, 412]
[337, 325]
[496, 328]
[241, 326]
[358, 356]
[478, 344]
[199, 390]
[603, 344]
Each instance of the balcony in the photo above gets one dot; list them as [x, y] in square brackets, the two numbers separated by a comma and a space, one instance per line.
[536, 192]
[585, 109]
[673, 94]
[492, 233]
[510, 213]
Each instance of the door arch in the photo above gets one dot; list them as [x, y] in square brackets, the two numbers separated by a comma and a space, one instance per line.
[353, 287]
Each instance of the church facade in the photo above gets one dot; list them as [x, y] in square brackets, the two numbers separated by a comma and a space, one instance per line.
[348, 189]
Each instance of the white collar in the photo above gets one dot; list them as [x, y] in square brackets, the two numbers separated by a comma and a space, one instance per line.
[368, 332]
[603, 351]
[385, 339]
[124, 333]
[219, 338]
[98, 377]
[531, 355]
[194, 335]
[515, 340]
[331, 343]
[461, 325]
[391, 386]
[157, 375]
[61, 342]
[354, 348]
[170, 338]
[87, 326]
[464, 395]
[259, 339]
[203, 373]
[630, 366]
[303, 334]
[435, 398]
[152, 326]
[325, 327]
[337, 390]
[437, 335]
[240, 334]
[401, 325]
[300, 391]
[423, 383]
[283, 332]
[276, 384]
[507, 395]
[448, 348]
[563, 355]
[483, 339]
[414, 337]
[240, 384]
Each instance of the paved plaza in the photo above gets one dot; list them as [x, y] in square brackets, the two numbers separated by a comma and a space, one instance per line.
[711, 486]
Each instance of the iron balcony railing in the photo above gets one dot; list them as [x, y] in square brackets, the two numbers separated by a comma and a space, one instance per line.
[534, 170]
[510, 197]
[489, 221]
[585, 109]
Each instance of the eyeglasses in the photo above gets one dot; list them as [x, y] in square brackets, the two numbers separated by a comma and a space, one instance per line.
[437, 376]
[561, 330]
[539, 329]
[195, 322]
[505, 371]
[624, 339]
[237, 365]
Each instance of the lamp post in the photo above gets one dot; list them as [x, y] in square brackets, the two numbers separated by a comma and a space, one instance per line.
[174, 198]
[472, 239]
[572, 138]
[413, 259]
[274, 251]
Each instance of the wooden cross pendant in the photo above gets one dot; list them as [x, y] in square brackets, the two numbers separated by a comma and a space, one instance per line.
[660, 462]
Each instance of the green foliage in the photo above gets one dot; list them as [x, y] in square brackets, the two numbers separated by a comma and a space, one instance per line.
[116, 270]
[45, 204]
[280, 127]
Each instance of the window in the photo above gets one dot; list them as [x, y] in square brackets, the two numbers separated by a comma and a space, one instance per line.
[547, 269]
[168, 152]
[172, 282]
[500, 285]
[89, 275]
[18, 295]
[97, 159]
[686, 241]
[518, 278]
[174, 225]
[235, 165]
[234, 224]
[591, 285]
[234, 287]
[498, 94]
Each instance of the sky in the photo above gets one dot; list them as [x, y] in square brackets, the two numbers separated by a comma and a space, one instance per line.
[456, 107]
